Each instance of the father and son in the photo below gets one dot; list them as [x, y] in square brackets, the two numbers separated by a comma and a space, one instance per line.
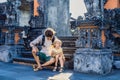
[51, 51]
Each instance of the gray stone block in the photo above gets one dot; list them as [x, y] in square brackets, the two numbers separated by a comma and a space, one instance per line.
[92, 60]
[6, 53]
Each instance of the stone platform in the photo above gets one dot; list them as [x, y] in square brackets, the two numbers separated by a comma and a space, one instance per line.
[9, 71]
[93, 60]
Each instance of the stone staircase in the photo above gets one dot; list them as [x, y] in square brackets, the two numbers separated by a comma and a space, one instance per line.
[25, 55]
[116, 63]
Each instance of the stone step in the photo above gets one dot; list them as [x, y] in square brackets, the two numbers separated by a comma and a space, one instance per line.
[38, 28]
[25, 60]
[61, 38]
[69, 48]
[64, 38]
[68, 43]
[68, 63]
[64, 49]
[116, 64]
[116, 56]
[29, 54]
[70, 38]
[38, 33]
[64, 43]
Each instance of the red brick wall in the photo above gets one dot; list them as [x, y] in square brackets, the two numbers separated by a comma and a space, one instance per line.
[36, 4]
[111, 4]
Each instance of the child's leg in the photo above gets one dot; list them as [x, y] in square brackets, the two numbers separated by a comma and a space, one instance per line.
[61, 61]
[56, 62]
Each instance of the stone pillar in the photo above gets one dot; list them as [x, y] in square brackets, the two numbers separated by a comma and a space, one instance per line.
[93, 60]
[57, 16]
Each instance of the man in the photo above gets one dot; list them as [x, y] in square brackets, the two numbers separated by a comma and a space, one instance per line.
[46, 41]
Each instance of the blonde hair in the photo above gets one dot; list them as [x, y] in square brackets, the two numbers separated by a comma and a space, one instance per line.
[57, 40]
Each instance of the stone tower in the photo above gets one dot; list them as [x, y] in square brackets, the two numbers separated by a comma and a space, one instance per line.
[57, 16]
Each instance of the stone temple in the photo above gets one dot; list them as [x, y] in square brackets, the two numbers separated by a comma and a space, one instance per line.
[90, 45]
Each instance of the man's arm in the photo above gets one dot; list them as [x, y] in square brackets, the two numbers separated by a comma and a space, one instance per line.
[35, 42]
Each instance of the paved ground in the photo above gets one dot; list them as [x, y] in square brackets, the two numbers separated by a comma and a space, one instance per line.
[9, 71]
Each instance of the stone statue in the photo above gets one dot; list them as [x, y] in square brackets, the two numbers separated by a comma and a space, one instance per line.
[88, 6]
[41, 7]
[96, 6]
[93, 7]
[13, 12]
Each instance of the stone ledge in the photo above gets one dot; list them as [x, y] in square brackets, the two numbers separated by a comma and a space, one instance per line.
[93, 51]
[91, 60]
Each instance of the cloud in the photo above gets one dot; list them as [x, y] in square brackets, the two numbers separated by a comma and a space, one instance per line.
[2, 1]
[77, 8]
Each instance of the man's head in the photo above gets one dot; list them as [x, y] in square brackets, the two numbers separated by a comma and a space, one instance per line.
[49, 32]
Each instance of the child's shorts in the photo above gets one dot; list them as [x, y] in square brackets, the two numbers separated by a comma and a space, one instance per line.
[43, 57]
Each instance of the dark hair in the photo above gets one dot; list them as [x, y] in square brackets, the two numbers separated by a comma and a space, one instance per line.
[48, 33]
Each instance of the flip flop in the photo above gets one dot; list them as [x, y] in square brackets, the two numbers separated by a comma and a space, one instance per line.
[35, 68]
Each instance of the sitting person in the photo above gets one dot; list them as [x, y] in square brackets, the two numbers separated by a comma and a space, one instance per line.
[46, 40]
[57, 53]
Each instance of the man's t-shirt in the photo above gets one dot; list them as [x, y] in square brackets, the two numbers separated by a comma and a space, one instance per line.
[47, 44]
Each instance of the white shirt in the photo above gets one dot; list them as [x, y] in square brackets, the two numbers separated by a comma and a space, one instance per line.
[47, 44]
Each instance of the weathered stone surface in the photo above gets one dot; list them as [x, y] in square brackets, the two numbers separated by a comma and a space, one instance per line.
[57, 16]
[24, 18]
[6, 53]
[117, 64]
[92, 60]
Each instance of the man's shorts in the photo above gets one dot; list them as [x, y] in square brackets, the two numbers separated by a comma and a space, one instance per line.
[43, 57]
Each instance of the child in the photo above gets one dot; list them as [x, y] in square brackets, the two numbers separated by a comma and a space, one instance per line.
[57, 53]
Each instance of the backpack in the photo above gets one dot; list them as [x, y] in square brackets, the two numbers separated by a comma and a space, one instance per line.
[43, 40]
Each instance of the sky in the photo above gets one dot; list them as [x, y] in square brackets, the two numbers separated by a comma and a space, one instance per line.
[2, 1]
[77, 7]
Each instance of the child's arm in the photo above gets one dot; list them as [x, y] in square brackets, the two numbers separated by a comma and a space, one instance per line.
[53, 54]
[62, 54]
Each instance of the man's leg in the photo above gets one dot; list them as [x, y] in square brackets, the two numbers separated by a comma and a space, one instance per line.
[52, 60]
[37, 60]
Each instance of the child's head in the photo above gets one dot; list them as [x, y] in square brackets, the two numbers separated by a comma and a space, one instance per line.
[57, 43]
